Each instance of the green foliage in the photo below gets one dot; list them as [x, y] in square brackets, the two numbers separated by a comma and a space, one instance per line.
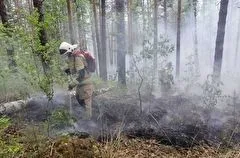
[9, 88]
[61, 118]
[211, 92]
[164, 48]
[99, 83]
[9, 146]
[83, 5]
[31, 55]
[146, 59]
[53, 15]
[4, 123]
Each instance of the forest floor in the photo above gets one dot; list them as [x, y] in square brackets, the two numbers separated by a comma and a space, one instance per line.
[173, 126]
[77, 147]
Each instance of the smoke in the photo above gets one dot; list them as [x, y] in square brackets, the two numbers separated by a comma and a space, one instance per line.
[180, 117]
[207, 20]
[175, 120]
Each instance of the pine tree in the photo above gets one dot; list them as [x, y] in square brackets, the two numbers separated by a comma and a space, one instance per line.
[121, 42]
[178, 38]
[220, 39]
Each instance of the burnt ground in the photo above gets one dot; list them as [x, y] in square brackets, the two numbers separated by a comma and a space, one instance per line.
[180, 121]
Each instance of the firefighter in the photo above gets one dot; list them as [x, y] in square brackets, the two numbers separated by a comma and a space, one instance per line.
[77, 68]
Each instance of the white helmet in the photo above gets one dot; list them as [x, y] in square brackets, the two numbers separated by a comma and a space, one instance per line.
[65, 48]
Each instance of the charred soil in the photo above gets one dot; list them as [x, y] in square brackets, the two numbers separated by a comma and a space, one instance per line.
[174, 126]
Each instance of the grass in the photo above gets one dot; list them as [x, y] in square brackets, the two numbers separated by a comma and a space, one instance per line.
[139, 148]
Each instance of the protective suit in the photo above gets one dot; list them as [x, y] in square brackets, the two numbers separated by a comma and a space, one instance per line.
[80, 76]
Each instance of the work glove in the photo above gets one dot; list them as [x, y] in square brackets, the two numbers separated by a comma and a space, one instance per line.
[67, 71]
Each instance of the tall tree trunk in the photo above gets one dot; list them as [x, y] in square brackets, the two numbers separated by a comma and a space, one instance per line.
[204, 4]
[220, 39]
[130, 38]
[178, 38]
[143, 21]
[195, 37]
[17, 9]
[111, 45]
[42, 33]
[165, 15]
[144, 30]
[70, 22]
[3, 13]
[30, 6]
[155, 42]
[121, 42]
[10, 49]
[81, 28]
[130, 35]
[103, 55]
[94, 43]
[237, 43]
[99, 49]
[100, 17]
[149, 13]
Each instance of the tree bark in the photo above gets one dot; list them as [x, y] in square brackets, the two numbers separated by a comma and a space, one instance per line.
[144, 30]
[10, 49]
[3, 13]
[81, 28]
[29, 6]
[143, 21]
[155, 42]
[121, 42]
[96, 31]
[94, 42]
[165, 15]
[130, 35]
[178, 38]
[111, 44]
[195, 37]
[103, 55]
[130, 39]
[220, 39]
[70, 23]
[237, 43]
[11, 107]
[17, 9]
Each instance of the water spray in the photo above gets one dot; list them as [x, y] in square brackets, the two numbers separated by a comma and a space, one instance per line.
[70, 92]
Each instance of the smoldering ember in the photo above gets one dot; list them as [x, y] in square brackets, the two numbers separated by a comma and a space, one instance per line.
[120, 78]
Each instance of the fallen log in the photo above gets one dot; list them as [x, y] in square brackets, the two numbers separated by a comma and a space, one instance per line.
[14, 106]
[10, 107]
